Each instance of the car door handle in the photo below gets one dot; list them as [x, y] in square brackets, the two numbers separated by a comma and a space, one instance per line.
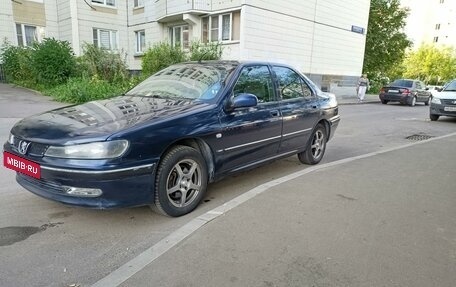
[275, 113]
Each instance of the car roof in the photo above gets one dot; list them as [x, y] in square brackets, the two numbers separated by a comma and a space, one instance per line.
[236, 63]
[407, 80]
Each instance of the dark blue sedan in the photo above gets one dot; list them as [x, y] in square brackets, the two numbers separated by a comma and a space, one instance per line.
[163, 141]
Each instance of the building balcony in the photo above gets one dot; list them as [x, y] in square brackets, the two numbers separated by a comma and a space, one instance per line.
[170, 10]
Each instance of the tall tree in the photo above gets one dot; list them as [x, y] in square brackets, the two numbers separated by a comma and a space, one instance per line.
[385, 41]
[432, 64]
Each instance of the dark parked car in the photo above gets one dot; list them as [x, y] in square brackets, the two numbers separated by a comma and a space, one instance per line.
[407, 92]
[444, 102]
[163, 141]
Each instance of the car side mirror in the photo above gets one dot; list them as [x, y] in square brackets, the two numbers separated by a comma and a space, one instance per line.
[427, 89]
[242, 100]
[439, 89]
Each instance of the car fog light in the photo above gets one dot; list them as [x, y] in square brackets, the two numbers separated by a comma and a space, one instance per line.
[82, 192]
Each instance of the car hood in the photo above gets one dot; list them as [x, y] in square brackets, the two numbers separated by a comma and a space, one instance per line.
[446, 95]
[98, 120]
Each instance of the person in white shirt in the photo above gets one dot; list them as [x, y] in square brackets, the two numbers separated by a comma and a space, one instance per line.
[362, 87]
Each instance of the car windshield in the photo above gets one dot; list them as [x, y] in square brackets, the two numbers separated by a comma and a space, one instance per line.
[188, 81]
[402, 83]
[451, 86]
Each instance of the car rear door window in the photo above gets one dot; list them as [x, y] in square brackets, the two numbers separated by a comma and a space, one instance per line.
[291, 85]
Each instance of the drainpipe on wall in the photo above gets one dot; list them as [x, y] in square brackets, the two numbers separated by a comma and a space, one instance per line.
[75, 27]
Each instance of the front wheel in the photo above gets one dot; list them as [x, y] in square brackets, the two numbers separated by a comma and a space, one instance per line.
[427, 102]
[316, 147]
[181, 181]
[434, 117]
[385, 102]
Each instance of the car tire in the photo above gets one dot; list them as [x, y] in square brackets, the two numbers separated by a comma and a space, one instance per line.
[434, 117]
[385, 102]
[426, 103]
[181, 172]
[412, 101]
[315, 147]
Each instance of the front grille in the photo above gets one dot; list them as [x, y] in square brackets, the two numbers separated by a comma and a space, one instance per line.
[42, 184]
[34, 149]
[37, 149]
[448, 102]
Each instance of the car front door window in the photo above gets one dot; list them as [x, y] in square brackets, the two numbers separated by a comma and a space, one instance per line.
[255, 80]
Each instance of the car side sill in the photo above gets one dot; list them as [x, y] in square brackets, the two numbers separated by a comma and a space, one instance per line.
[264, 160]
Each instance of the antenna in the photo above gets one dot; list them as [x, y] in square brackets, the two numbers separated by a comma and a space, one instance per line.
[202, 56]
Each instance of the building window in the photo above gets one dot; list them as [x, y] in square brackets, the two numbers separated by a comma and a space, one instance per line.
[222, 28]
[138, 3]
[140, 37]
[437, 26]
[27, 35]
[436, 39]
[180, 36]
[111, 3]
[106, 39]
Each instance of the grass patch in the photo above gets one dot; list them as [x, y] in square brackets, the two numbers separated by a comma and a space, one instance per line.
[81, 90]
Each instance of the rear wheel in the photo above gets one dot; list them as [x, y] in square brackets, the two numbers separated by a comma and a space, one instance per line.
[316, 146]
[412, 101]
[385, 102]
[434, 117]
[181, 181]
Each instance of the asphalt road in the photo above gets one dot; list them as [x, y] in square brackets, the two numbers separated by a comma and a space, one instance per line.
[387, 219]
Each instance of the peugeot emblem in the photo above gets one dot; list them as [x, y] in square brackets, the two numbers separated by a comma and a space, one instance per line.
[23, 146]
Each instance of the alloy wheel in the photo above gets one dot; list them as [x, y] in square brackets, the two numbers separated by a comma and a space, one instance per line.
[184, 183]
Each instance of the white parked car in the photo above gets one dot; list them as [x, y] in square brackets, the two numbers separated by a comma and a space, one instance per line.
[433, 89]
[444, 103]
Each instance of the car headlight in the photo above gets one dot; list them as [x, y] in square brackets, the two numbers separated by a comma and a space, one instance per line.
[95, 150]
[11, 139]
[435, 100]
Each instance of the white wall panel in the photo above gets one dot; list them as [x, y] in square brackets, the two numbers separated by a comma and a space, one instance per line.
[272, 36]
[7, 25]
[337, 52]
[314, 36]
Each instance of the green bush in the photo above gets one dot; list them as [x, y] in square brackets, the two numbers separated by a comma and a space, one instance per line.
[102, 64]
[16, 63]
[52, 61]
[160, 56]
[81, 90]
[377, 83]
[209, 51]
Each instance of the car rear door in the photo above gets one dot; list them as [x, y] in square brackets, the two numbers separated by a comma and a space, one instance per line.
[424, 93]
[299, 107]
[251, 135]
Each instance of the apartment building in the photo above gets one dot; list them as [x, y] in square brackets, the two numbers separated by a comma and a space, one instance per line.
[323, 38]
[431, 22]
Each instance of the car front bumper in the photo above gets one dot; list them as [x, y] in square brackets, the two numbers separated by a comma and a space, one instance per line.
[334, 122]
[442, 110]
[92, 188]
